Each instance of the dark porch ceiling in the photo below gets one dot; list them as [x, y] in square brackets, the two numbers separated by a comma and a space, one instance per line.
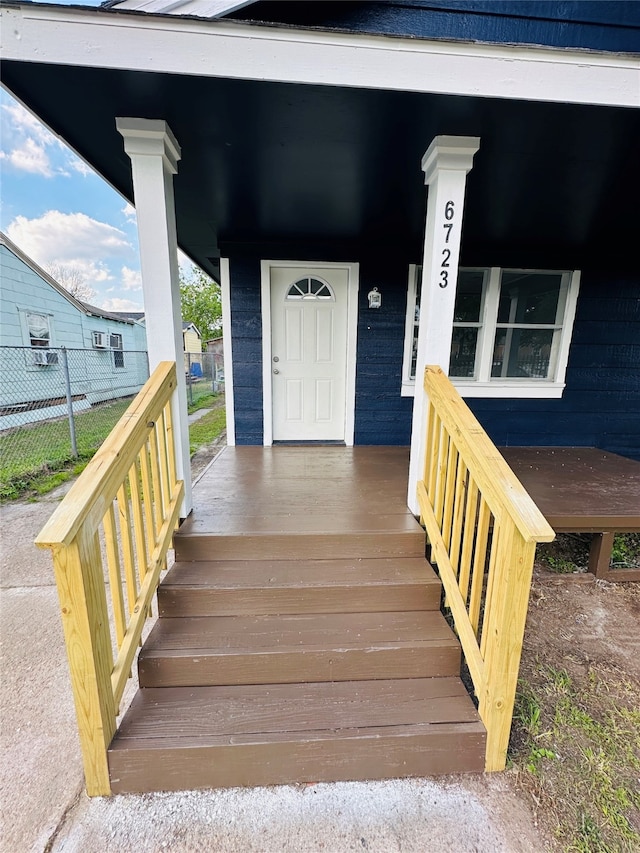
[339, 169]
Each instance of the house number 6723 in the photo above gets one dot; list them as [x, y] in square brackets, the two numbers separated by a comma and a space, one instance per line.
[446, 252]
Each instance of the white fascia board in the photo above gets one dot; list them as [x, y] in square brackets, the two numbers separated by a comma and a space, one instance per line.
[138, 42]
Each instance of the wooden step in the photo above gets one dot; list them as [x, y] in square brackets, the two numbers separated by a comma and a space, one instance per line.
[292, 537]
[219, 650]
[196, 737]
[263, 587]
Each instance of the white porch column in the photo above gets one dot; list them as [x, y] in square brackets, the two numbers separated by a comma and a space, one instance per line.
[445, 164]
[154, 154]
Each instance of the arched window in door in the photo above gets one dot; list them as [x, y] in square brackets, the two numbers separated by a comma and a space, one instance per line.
[310, 288]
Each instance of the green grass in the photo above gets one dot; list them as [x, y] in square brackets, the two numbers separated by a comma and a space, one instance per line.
[626, 550]
[199, 394]
[206, 401]
[207, 429]
[38, 457]
[579, 743]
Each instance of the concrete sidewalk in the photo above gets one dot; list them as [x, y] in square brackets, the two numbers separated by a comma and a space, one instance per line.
[44, 808]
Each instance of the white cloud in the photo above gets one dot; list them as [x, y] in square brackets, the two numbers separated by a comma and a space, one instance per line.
[79, 166]
[131, 279]
[22, 122]
[129, 212]
[29, 146]
[69, 239]
[117, 304]
[29, 157]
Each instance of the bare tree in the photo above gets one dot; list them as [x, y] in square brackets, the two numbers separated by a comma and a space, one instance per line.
[72, 280]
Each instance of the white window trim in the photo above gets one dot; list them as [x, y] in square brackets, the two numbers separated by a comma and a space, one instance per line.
[484, 385]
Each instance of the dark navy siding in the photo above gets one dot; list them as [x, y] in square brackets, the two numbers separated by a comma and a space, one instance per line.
[247, 349]
[601, 403]
[382, 415]
[607, 26]
[600, 406]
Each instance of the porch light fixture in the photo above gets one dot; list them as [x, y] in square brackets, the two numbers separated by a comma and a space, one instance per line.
[375, 298]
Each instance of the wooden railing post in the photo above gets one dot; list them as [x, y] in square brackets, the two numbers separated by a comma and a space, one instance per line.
[135, 501]
[502, 637]
[85, 620]
[487, 591]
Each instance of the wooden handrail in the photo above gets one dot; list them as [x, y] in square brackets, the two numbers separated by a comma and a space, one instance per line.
[128, 500]
[494, 477]
[483, 528]
[101, 477]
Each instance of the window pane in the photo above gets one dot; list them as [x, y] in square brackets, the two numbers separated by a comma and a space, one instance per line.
[468, 296]
[522, 353]
[529, 297]
[38, 329]
[463, 352]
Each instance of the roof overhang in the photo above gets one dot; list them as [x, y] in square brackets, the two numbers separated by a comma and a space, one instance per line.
[100, 38]
[313, 139]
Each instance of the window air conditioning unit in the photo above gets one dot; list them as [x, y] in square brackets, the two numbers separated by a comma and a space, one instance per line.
[44, 358]
[101, 340]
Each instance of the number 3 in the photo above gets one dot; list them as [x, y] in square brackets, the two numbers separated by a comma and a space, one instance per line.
[444, 275]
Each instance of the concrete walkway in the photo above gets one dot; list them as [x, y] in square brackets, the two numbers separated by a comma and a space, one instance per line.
[44, 808]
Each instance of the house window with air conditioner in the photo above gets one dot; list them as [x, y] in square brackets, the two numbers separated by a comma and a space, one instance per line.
[39, 334]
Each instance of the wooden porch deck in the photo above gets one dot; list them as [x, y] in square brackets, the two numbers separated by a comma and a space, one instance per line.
[300, 636]
[583, 490]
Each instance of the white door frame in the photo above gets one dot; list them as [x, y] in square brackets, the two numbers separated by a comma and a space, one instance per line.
[353, 271]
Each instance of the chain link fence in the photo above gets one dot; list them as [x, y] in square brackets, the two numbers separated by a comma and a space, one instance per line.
[204, 372]
[59, 404]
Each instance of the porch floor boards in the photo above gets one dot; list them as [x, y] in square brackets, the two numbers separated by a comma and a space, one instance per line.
[300, 638]
[583, 490]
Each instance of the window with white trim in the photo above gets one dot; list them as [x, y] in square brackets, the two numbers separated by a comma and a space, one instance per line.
[511, 331]
[115, 342]
[39, 329]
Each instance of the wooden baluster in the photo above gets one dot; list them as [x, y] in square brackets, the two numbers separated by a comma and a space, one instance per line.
[458, 515]
[471, 510]
[443, 455]
[434, 452]
[168, 421]
[163, 442]
[151, 524]
[449, 494]
[124, 515]
[115, 574]
[479, 563]
[138, 521]
[160, 508]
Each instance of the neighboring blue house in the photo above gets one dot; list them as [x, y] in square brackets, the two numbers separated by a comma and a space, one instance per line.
[296, 133]
[38, 317]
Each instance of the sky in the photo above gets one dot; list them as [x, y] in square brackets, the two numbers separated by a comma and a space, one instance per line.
[63, 215]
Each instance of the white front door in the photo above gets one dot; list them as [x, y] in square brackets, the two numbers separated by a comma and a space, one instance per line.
[309, 324]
